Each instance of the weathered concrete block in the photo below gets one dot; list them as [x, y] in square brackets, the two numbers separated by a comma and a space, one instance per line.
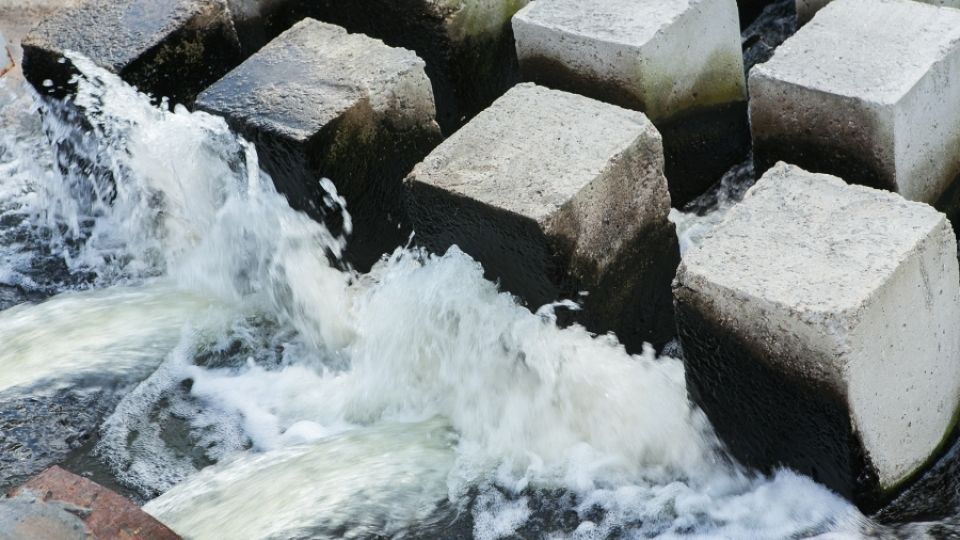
[867, 91]
[467, 44]
[57, 504]
[806, 9]
[555, 194]
[319, 102]
[821, 327]
[167, 48]
[678, 61]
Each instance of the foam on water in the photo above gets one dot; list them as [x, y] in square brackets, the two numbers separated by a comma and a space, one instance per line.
[333, 404]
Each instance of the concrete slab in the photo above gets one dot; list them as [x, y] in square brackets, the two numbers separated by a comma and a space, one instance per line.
[555, 194]
[167, 48]
[319, 102]
[57, 504]
[467, 44]
[678, 61]
[806, 9]
[820, 327]
[867, 91]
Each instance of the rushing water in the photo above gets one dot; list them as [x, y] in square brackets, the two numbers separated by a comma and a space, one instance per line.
[275, 396]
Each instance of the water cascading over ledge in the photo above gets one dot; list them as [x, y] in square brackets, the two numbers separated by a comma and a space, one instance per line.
[285, 361]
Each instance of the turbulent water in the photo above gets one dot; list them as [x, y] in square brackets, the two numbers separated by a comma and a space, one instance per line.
[276, 396]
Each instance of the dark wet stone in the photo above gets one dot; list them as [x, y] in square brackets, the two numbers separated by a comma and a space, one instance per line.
[751, 9]
[319, 102]
[467, 45]
[792, 422]
[40, 427]
[772, 26]
[167, 48]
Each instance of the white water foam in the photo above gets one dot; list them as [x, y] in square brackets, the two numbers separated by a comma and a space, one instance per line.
[357, 405]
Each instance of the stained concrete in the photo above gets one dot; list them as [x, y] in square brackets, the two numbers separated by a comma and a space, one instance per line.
[555, 194]
[167, 48]
[678, 61]
[320, 102]
[467, 44]
[820, 326]
[866, 91]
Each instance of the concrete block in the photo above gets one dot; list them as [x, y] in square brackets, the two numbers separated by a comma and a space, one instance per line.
[167, 48]
[467, 44]
[821, 327]
[319, 102]
[806, 9]
[57, 504]
[555, 194]
[867, 91]
[678, 61]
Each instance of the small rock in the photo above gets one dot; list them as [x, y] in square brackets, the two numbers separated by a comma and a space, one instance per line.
[57, 504]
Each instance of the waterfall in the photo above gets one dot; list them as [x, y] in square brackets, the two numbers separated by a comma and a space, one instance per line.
[278, 395]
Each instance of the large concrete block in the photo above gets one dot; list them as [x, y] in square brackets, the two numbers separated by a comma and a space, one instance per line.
[467, 44]
[319, 102]
[167, 48]
[867, 91]
[806, 9]
[678, 61]
[555, 194]
[821, 327]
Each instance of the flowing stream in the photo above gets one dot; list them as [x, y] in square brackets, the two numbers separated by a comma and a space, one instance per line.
[267, 394]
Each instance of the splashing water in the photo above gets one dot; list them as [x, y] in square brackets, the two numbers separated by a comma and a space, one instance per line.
[284, 398]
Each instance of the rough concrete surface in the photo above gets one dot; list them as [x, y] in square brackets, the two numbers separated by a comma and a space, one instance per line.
[678, 61]
[168, 48]
[555, 194]
[820, 326]
[318, 101]
[806, 9]
[467, 44]
[867, 91]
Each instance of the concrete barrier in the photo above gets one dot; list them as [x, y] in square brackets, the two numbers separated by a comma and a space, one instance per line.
[167, 48]
[821, 327]
[867, 91]
[319, 102]
[467, 44]
[555, 194]
[678, 61]
[806, 9]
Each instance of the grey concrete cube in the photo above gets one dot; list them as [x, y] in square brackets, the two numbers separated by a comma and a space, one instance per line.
[167, 48]
[678, 61]
[467, 44]
[557, 194]
[867, 91]
[320, 102]
[821, 327]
